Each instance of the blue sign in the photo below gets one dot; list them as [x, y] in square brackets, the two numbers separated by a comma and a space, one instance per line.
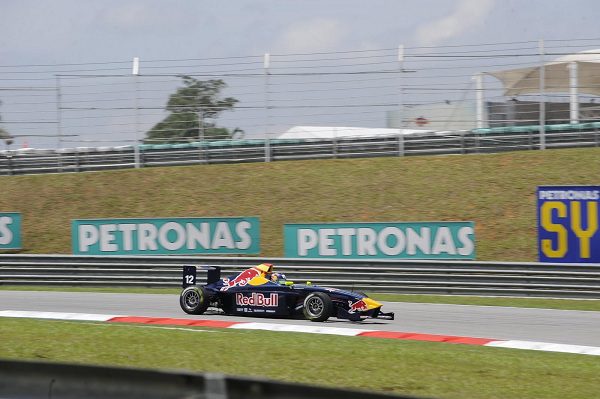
[568, 224]
[10, 230]
[173, 236]
[415, 240]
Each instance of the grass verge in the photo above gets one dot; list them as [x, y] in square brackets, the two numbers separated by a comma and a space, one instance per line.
[496, 191]
[416, 368]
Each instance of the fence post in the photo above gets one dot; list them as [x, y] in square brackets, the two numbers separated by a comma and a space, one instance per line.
[573, 90]
[59, 122]
[136, 73]
[542, 118]
[267, 62]
[335, 148]
[401, 151]
[479, 99]
[400, 87]
[9, 163]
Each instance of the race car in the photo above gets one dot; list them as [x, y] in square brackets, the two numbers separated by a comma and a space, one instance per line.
[258, 291]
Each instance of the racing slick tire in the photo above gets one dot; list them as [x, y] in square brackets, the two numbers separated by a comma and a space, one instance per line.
[317, 307]
[193, 300]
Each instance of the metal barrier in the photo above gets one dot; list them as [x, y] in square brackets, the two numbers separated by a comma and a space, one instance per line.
[384, 276]
[33, 380]
[442, 143]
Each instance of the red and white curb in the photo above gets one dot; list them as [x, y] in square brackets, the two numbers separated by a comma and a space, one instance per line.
[317, 329]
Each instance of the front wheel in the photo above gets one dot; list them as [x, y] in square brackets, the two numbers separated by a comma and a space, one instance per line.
[318, 306]
[193, 300]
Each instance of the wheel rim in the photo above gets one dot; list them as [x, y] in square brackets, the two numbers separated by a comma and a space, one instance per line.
[314, 306]
[192, 299]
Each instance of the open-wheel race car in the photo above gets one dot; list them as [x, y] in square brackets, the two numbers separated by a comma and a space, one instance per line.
[258, 291]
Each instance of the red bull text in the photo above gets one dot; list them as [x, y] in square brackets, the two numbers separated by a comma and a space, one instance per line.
[257, 299]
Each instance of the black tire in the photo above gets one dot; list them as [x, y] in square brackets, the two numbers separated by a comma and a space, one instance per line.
[193, 300]
[317, 307]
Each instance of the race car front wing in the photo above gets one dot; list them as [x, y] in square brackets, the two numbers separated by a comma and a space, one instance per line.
[385, 315]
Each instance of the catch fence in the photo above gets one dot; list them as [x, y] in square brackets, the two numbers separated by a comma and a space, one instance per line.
[437, 89]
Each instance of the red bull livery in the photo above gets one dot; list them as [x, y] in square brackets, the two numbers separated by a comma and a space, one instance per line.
[357, 306]
[240, 280]
[257, 291]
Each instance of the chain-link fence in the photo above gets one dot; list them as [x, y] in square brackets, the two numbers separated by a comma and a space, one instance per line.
[115, 103]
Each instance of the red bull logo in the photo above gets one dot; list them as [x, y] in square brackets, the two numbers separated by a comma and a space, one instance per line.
[358, 306]
[257, 299]
[241, 279]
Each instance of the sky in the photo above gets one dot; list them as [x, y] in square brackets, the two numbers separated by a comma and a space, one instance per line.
[66, 31]
[85, 31]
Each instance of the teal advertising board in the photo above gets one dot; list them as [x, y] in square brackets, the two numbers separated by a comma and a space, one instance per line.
[166, 236]
[10, 230]
[414, 240]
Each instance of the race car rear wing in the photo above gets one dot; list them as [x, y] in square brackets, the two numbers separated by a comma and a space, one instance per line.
[213, 274]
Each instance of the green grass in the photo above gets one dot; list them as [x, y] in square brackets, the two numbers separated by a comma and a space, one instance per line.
[564, 304]
[495, 191]
[404, 367]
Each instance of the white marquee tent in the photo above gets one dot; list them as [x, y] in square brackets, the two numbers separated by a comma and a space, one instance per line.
[331, 132]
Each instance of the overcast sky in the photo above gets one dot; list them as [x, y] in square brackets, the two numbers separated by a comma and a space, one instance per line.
[84, 31]
[63, 31]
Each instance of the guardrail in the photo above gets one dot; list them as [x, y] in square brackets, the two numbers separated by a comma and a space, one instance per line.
[30, 161]
[384, 276]
[33, 380]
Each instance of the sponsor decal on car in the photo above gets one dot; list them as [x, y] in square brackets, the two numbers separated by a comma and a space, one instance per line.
[358, 306]
[241, 279]
[257, 299]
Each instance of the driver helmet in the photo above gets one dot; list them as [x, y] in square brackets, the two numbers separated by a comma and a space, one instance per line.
[265, 269]
[277, 277]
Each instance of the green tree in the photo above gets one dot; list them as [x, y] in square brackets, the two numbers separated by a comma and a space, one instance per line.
[193, 111]
[4, 135]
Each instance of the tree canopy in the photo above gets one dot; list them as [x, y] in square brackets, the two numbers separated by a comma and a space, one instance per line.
[194, 109]
[4, 135]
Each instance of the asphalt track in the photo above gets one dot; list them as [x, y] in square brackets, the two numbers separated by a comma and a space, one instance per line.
[503, 323]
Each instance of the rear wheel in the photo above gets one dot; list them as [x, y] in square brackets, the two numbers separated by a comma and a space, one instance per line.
[318, 306]
[193, 300]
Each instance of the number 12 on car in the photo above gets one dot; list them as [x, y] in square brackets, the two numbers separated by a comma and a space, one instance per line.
[568, 224]
[189, 276]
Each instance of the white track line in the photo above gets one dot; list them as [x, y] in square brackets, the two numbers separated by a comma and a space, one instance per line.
[511, 344]
[300, 328]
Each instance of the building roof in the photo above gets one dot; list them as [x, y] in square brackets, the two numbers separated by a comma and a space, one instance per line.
[556, 75]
